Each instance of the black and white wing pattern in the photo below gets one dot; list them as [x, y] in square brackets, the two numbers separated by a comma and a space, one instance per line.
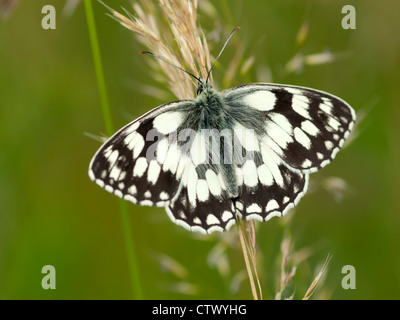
[146, 164]
[203, 203]
[289, 132]
[303, 131]
[133, 164]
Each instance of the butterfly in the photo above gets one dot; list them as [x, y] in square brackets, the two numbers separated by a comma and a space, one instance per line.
[244, 152]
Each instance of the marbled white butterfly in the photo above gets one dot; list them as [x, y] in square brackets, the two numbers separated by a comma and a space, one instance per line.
[247, 151]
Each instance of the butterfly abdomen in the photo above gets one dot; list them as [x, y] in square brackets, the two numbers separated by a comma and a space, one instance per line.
[216, 124]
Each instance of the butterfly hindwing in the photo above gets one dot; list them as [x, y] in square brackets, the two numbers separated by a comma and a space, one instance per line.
[267, 187]
[202, 203]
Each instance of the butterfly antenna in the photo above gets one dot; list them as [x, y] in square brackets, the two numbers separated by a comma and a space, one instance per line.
[226, 42]
[170, 63]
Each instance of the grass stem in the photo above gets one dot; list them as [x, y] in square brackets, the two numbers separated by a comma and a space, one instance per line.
[127, 230]
[248, 244]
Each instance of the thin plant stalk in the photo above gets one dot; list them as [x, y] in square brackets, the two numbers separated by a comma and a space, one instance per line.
[106, 111]
[317, 279]
[248, 266]
[248, 244]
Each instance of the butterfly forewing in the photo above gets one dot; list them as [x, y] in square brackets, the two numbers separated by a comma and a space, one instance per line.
[140, 162]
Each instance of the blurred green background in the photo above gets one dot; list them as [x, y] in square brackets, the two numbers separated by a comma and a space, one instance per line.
[52, 214]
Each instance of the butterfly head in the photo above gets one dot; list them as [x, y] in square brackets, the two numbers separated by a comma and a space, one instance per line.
[203, 86]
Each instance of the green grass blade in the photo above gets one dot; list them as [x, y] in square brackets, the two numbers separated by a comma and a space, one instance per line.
[127, 231]
[130, 250]
[98, 68]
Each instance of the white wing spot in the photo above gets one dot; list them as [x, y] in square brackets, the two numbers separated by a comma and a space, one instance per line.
[324, 163]
[197, 220]
[264, 175]
[118, 193]
[261, 100]
[130, 198]
[277, 134]
[239, 205]
[294, 91]
[246, 137]
[285, 200]
[211, 219]
[131, 139]
[226, 215]
[140, 167]
[328, 145]
[221, 181]
[282, 122]
[273, 146]
[310, 128]
[306, 163]
[164, 195]
[115, 172]
[107, 152]
[146, 203]
[132, 190]
[122, 175]
[272, 214]
[162, 150]
[250, 173]
[300, 106]
[138, 146]
[100, 183]
[202, 190]
[230, 224]
[333, 123]
[272, 165]
[254, 208]
[198, 150]
[302, 138]
[168, 122]
[272, 205]
[334, 152]
[239, 176]
[113, 157]
[153, 172]
[172, 159]
[326, 107]
[182, 214]
[213, 183]
[132, 127]
[192, 184]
